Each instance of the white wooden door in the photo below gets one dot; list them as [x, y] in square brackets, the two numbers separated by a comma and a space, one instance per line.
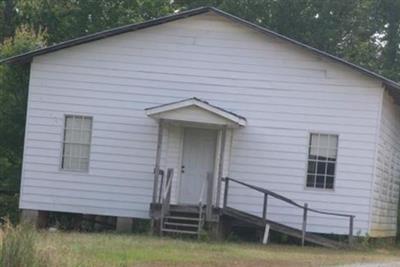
[197, 160]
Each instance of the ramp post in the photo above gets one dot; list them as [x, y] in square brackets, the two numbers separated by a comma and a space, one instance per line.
[266, 234]
[303, 231]
[226, 192]
[265, 206]
[351, 230]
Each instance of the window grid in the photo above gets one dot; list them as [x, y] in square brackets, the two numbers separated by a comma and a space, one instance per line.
[322, 161]
[76, 143]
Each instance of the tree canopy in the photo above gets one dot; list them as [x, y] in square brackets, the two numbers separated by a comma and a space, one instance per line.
[365, 32]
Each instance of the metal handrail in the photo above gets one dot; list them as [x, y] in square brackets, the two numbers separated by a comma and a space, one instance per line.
[305, 208]
[160, 173]
[201, 208]
[202, 191]
[165, 195]
[166, 189]
[285, 199]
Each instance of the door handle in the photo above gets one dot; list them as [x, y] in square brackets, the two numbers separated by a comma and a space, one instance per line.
[182, 169]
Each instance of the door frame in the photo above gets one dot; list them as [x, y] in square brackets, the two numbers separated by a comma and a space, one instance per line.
[216, 161]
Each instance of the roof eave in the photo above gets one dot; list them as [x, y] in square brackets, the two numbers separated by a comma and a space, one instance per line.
[28, 56]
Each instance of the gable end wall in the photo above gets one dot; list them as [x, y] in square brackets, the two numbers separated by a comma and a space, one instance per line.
[385, 195]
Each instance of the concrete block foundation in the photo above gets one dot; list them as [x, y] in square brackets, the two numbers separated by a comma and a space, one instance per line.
[124, 225]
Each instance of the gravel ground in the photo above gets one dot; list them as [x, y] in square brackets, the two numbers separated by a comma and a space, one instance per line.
[386, 264]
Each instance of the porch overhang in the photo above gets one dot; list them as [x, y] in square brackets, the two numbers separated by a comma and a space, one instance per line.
[196, 111]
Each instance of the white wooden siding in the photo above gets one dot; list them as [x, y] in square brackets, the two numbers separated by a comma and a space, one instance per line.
[385, 194]
[284, 92]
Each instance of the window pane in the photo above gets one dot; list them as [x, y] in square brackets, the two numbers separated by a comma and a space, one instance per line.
[68, 136]
[84, 164]
[87, 124]
[312, 157]
[73, 122]
[323, 141]
[310, 180]
[331, 168]
[333, 141]
[71, 150]
[329, 182]
[321, 165]
[84, 151]
[314, 145]
[71, 163]
[85, 137]
[311, 166]
[320, 181]
[69, 121]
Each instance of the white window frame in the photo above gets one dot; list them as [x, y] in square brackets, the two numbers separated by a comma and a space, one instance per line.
[89, 144]
[314, 187]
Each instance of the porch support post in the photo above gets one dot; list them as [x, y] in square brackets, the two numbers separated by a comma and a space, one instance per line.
[221, 164]
[158, 159]
[156, 172]
[210, 189]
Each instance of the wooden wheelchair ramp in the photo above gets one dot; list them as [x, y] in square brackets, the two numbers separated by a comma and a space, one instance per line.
[262, 221]
[259, 222]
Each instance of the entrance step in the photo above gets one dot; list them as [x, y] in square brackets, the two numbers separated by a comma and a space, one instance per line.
[180, 224]
[183, 220]
[180, 231]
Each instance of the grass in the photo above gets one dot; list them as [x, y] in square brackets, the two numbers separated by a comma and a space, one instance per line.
[18, 247]
[78, 249]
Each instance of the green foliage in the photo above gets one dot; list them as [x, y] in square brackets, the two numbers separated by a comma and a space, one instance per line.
[13, 95]
[141, 226]
[18, 247]
[65, 19]
[9, 206]
[204, 236]
[7, 19]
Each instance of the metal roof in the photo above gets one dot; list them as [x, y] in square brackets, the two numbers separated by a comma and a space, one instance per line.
[391, 85]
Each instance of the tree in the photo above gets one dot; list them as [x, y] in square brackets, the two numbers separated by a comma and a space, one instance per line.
[390, 20]
[66, 19]
[13, 96]
[7, 19]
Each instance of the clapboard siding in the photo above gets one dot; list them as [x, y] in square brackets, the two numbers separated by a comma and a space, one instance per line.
[387, 175]
[284, 92]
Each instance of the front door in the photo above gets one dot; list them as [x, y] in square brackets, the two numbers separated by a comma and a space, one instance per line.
[198, 160]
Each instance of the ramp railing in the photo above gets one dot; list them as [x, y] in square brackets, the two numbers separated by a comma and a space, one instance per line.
[268, 193]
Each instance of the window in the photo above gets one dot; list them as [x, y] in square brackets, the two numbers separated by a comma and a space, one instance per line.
[76, 145]
[322, 155]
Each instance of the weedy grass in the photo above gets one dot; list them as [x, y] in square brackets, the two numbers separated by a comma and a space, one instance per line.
[18, 247]
[69, 249]
[109, 249]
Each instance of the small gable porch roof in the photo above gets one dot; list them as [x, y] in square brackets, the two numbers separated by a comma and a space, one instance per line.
[195, 110]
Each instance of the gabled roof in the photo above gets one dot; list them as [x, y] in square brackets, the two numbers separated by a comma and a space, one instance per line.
[196, 102]
[27, 57]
